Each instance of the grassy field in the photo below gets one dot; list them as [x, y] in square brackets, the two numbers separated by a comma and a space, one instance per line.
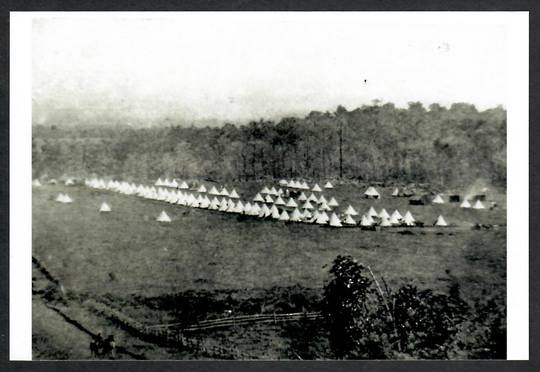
[126, 253]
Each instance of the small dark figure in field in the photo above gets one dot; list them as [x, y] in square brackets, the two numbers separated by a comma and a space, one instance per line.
[103, 348]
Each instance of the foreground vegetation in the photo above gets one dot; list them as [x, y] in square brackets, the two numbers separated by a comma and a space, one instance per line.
[207, 263]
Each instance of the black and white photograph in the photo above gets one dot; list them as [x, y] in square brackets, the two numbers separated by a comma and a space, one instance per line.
[270, 186]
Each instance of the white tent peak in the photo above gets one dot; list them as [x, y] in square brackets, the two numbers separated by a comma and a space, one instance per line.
[105, 207]
[163, 217]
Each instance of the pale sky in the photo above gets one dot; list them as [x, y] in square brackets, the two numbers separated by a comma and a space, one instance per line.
[231, 66]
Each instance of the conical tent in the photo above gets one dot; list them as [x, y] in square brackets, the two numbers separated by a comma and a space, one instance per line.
[213, 191]
[265, 190]
[163, 217]
[60, 198]
[224, 192]
[335, 221]
[105, 207]
[365, 221]
[302, 197]
[349, 220]
[384, 214]
[201, 189]
[279, 201]
[204, 202]
[280, 192]
[265, 212]
[307, 215]
[223, 205]
[385, 222]
[478, 205]
[184, 186]
[395, 220]
[408, 219]
[328, 185]
[284, 216]
[291, 203]
[234, 194]
[322, 200]
[214, 204]
[67, 199]
[255, 209]
[396, 215]
[322, 218]
[269, 199]
[247, 208]
[333, 202]
[304, 186]
[258, 198]
[275, 212]
[313, 198]
[351, 211]
[372, 193]
[231, 208]
[174, 183]
[440, 221]
[324, 207]
[273, 191]
[69, 182]
[372, 212]
[438, 199]
[316, 188]
[395, 192]
[296, 215]
[465, 204]
[307, 205]
[239, 207]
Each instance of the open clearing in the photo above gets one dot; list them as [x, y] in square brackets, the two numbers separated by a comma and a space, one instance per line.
[126, 254]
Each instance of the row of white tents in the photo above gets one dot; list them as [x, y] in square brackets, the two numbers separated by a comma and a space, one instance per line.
[306, 209]
[465, 204]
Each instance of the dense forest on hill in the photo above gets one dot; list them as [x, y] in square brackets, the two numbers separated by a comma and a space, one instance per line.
[378, 142]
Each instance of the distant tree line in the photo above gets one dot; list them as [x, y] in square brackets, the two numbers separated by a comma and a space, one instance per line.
[450, 146]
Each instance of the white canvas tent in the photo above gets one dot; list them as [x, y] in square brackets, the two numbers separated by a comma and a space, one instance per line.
[351, 211]
[384, 214]
[104, 207]
[395, 192]
[307, 205]
[328, 185]
[296, 216]
[184, 185]
[36, 183]
[269, 199]
[291, 203]
[316, 188]
[234, 194]
[372, 193]
[465, 204]
[279, 201]
[335, 221]
[201, 189]
[441, 221]
[322, 218]
[372, 212]
[349, 220]
[365, 221]
[333, 202]
[438, 199]
[302, 197]
[258, 198]
[478, 205]
[163, 217]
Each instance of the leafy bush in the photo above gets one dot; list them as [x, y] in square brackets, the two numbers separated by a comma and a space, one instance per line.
[365, 322]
